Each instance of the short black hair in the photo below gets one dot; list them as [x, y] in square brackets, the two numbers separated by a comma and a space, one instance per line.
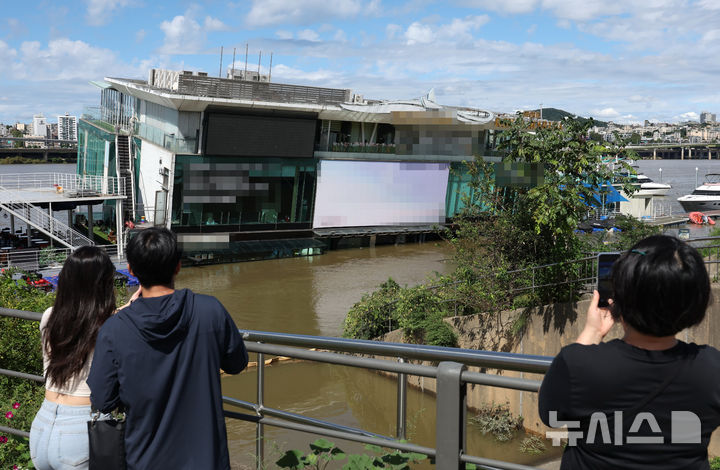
[153, 255]
[660, 286]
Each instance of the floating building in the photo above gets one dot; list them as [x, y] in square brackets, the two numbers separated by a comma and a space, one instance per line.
[243, 159]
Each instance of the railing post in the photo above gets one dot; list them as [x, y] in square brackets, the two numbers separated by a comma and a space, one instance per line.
[401, 404]
[260, 432]
[450, 416]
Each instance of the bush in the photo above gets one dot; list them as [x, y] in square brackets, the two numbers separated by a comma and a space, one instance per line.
[532, 445]
[374, 315]
[498, 421]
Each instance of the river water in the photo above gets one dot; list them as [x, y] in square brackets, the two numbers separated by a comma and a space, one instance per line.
[311, 296]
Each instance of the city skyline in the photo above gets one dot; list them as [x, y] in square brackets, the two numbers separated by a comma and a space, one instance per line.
[624, 62]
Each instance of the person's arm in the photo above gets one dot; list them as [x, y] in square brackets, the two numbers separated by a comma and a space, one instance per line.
[597, 324]
[234, 356]
[103, 378]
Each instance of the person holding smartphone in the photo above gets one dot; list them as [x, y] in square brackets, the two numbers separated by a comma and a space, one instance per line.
[648, 400]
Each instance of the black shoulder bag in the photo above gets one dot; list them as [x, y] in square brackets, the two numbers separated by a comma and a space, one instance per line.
[107, 442]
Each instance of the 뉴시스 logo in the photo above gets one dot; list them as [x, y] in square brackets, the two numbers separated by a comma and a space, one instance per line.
[685, 428]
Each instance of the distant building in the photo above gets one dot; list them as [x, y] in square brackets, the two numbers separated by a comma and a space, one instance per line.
[22, 127]
[707, 117]
[39, 126]
[67, 127]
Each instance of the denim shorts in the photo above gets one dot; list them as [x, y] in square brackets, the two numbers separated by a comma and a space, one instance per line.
[59, 437]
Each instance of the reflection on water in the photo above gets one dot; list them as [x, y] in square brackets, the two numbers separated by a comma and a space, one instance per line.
[311, 296]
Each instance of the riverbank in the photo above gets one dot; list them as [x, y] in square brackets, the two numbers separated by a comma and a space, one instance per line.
[18, 160]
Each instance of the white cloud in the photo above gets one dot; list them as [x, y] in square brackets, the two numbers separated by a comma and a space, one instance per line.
[418, 33]
[284, 34]
[340, 36]
[531, 30]
[689, 116]
[462, 29]
[275, 12]
[214, 24]
[510, 7]
[308, 35]
[392, 30]
[99, 11]
[606, 113]
[185, 35]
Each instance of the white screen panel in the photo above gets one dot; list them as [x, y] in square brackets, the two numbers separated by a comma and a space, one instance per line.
[361, 194]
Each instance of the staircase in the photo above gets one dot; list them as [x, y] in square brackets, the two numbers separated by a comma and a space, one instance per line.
[123, 163]
[41, 220]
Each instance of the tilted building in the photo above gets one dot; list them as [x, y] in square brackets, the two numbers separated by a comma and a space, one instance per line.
[229, 159]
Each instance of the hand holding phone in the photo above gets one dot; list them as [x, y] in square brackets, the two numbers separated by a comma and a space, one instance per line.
[605, 263]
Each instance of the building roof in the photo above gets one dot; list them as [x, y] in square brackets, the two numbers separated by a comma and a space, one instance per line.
[187, 92]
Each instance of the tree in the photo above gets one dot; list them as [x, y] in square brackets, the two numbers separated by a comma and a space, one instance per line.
[18, 143]
[635, 138]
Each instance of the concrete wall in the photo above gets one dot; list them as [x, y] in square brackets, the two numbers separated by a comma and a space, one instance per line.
[548, 330]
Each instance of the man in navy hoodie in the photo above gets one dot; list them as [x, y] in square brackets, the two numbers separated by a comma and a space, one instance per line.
[160, 358]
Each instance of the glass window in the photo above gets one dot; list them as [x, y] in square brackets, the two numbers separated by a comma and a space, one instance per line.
[243, 193]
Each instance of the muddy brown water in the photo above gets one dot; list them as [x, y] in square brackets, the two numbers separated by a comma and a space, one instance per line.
[312, 296]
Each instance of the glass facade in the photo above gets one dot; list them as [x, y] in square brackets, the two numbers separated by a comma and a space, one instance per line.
[458, 190]
[96, 149]
[243, 193]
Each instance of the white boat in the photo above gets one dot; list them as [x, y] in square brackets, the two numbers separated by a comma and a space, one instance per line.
[705, 197]
[649, 187]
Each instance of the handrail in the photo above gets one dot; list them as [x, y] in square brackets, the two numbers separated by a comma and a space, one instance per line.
[451, 376]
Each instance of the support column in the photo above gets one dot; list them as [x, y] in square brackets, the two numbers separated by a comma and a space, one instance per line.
[682, 153]
[12, 225]
[90, 222]
[450, 416]
[50, 224]
[655, 154]
[119, 236]
[689, 153]
[709, 154]
[69, 218]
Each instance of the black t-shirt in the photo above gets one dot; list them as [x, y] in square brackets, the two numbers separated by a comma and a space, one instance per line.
[599, 387]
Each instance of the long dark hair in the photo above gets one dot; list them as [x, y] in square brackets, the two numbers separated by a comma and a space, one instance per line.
[85, 299]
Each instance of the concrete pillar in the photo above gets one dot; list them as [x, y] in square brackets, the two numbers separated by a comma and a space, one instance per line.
[689, 153]
[90, 222]
[655, 154]
[69, 218]
[709, 154]
[682, 153]
[45, 155]
[12, 224]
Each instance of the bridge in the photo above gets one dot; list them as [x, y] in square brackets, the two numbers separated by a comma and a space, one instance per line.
[677, 151]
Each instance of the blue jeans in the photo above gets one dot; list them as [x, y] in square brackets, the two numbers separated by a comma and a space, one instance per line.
[59, 437]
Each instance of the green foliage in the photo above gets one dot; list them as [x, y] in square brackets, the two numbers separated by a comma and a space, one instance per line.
[418, 310]
[323, 452]
[498, 421]
[631, 231]
[50, 256]
[715, 463]
[20, 351]
[532, 445]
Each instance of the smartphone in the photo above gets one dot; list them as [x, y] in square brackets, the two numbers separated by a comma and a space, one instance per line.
[604, 276]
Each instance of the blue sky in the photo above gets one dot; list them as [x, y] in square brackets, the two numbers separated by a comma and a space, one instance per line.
[624, 61]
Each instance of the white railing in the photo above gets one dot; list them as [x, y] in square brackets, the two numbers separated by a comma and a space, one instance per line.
[41, 220]
[70, 184]
[45, 257]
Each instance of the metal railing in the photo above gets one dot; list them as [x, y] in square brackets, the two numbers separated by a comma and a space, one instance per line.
[450, 372]
[169, 141]
[46, 257]
[13, 202]
[67, 184]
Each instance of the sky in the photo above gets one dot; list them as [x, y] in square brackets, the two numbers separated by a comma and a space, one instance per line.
[619, 60]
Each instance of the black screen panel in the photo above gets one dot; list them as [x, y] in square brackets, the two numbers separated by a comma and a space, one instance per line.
[260, 135]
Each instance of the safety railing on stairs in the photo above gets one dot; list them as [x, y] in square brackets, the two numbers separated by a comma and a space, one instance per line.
[13, 202]
[450, 372]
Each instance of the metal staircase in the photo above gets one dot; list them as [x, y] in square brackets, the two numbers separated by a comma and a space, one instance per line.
[41, 220]
[125, 170]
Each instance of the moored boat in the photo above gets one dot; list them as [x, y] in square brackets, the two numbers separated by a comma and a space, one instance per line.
[705, 197]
